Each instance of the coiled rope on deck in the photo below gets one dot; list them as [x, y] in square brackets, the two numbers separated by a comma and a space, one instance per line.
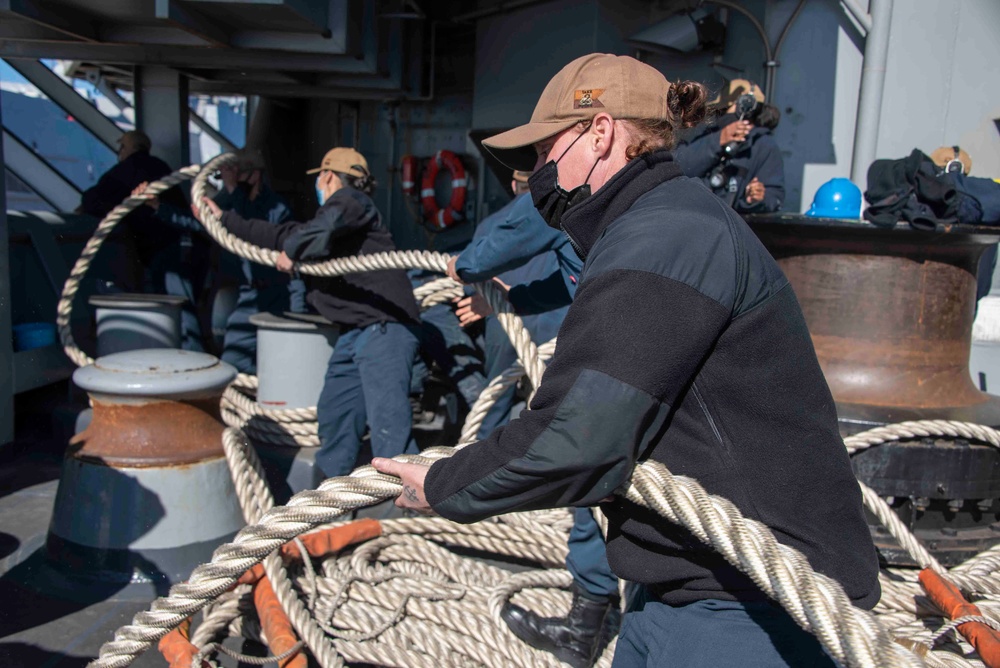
[817, 603]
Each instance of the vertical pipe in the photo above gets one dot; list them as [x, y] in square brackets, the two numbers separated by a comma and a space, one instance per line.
[161, 111]
[872, 84]
[392, 164]
[6, 348]
[260, 123]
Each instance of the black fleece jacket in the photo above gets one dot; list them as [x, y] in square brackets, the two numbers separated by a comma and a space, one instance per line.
[685, 344]
[347, 224]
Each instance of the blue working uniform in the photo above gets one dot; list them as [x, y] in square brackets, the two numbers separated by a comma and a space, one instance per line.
[539, 263]
[702, 156]
[444, 342]
[516, 246]
[262, 289]
[368, 374]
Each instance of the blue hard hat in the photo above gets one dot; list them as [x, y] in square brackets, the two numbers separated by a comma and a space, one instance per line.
[837, 198]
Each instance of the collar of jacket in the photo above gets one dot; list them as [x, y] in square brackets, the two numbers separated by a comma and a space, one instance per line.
[585, 223]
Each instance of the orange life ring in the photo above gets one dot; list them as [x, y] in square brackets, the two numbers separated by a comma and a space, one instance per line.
[442, 218]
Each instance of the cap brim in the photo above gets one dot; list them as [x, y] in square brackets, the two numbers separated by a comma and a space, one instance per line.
[516, 148]
[314, 171]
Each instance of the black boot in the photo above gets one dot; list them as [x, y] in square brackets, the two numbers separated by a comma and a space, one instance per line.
[574, 638]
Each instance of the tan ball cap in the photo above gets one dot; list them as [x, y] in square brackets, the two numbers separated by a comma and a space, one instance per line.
[343, 160]
[618, 85]
[946, 154]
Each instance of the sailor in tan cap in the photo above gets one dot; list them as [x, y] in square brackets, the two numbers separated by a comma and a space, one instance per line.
[684, 345]
[368, 374]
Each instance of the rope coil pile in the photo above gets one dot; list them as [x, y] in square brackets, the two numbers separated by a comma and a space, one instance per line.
[405, 599]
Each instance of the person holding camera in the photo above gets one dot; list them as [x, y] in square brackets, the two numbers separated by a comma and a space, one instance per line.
[736, 157]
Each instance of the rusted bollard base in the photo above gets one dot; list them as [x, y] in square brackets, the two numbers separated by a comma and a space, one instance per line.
[145, 493]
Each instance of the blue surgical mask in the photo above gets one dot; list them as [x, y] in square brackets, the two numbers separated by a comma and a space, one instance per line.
[320, 195]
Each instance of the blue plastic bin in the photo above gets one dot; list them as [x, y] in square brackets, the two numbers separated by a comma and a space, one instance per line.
[30, 335]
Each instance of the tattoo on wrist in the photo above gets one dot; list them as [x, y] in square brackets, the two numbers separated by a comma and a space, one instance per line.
[411, 494]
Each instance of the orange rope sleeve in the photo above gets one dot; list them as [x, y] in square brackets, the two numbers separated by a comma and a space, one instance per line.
[331, 541]
[176, 647]
[949, 599]
[276, 626]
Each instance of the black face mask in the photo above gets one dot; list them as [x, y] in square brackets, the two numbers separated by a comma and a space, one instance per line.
[549, 197]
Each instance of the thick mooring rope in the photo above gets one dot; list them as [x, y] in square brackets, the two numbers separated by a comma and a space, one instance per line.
[425, 260]
[292, 427]
[817, 603]
[64, 309]
[404, 588]
[852, 636]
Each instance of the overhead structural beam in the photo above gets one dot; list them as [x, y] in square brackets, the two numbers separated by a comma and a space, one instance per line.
[40, 176]
[101, 83]
[204, 126]
[65, 20]
[182, 57]
[14, 28]
[499, 8]
[316, 13]
[71, 102]
[863, 18]
[189, 21]
[872, 85]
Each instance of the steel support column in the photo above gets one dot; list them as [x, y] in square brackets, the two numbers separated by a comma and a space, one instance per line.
[161, 111]
[872, 84]
[69, 100]
[6, 347]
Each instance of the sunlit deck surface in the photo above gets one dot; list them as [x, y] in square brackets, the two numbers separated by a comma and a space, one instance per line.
[48, 617]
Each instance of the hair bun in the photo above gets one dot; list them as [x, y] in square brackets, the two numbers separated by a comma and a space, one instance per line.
[686, 103]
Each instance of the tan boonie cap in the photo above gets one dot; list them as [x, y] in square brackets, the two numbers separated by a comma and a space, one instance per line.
[946, 154]
[734, 89]
[343, 160]
[601, 82]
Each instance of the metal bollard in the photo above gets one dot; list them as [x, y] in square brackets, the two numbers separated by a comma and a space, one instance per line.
[145, 493]
[292, 355]
[137, 322]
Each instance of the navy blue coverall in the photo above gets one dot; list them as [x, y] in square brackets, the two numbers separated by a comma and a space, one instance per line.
[538, 262]
[758, 157]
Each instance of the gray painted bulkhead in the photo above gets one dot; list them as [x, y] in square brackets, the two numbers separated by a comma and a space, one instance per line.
[934, 93]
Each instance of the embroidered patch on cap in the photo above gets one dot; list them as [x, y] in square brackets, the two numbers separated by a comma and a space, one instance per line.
[587, 98]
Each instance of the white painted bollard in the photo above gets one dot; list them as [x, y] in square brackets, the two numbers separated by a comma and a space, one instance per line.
[137, 322]
[293, 351]
[292, 354]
